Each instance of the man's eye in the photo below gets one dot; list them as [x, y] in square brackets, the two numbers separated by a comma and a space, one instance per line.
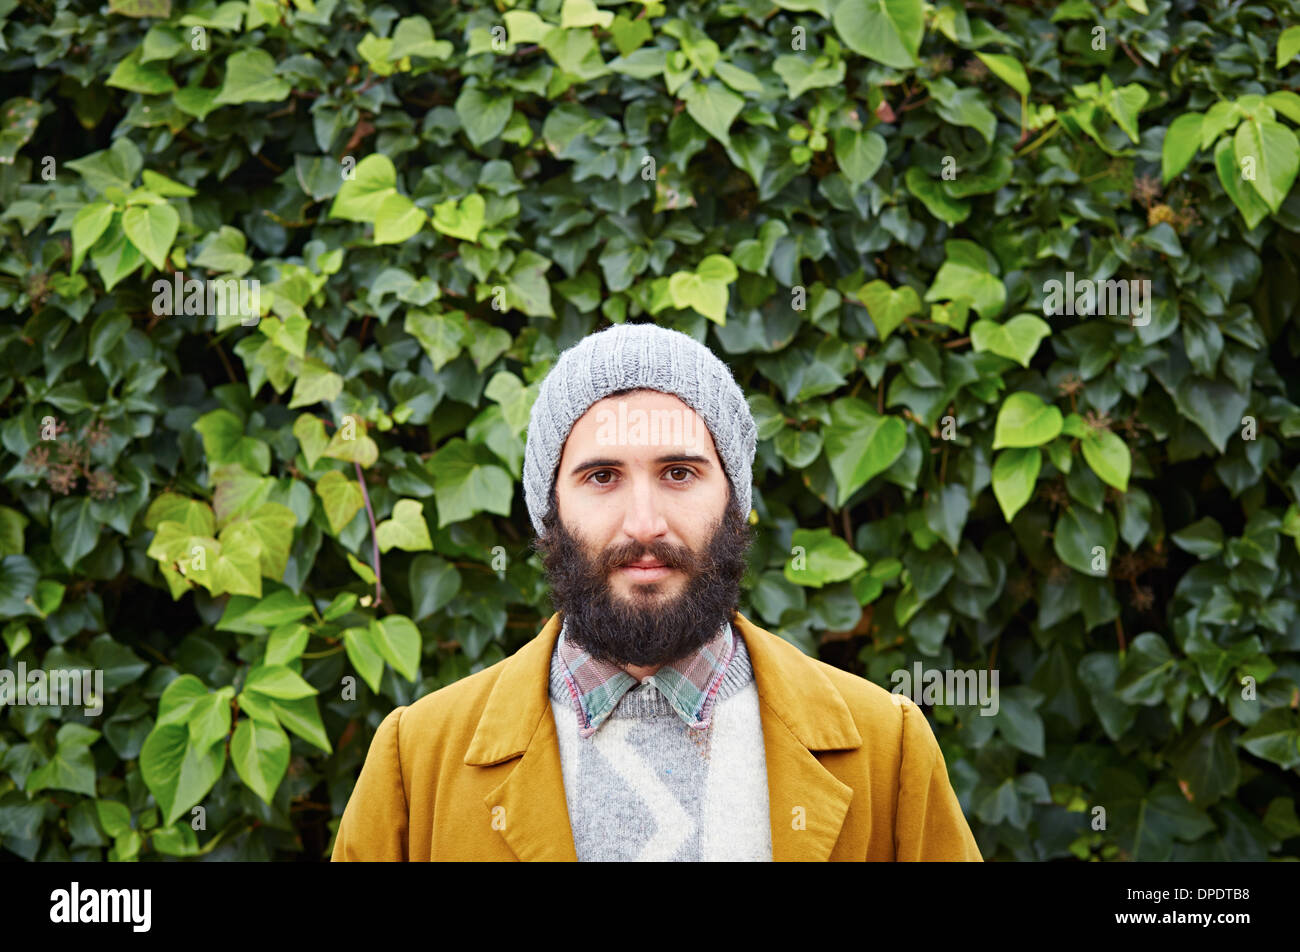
[676, 469]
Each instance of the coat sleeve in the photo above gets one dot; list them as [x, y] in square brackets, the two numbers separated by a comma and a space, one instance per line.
[929, 824]
[375, 821]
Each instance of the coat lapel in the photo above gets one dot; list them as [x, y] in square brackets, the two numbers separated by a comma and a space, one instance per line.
[800, 709]
[517, 720]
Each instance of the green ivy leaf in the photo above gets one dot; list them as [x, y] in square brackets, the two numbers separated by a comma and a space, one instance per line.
[352, 445]
[936, 200]
[364, 655]
[260, 752]
[1078, 534]
[405, 530]
[965, 276]
[887, 31]
[196, 101]
[397, 640]
[302, 716]
[90, 223]
[800, 75]
[1016, 339]
[75, 529]
[71, 767]
[1275, 737]
[279, 682]
[1148, 667]
[821, 558]
[145, 78]
[341, 497]
[467, 482]
[1182, 140]
[114, 257]
[251, 77]
[271, 525]
[209, 718]
[715, 108]
[360, 197]
[224, 442]
[888, 307]
[116, 166]
[1288, 44]
[315, 383]
[1203, 538]
[1248, 201]
[177, 774]
[859, 154]
[1025, 420]
[945, 511]
[114, 817]
[414, 37]
[483, 114]
[860, 444]
[1108, 456]
[396, 220]
[236, 570]
[1008, 69]
[461, 219]
[310, 431]
[705, 289]
[1268, 156]
[527, 289]
[1015, 473]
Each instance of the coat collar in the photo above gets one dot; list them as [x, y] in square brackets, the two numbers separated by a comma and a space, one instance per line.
[801, 711]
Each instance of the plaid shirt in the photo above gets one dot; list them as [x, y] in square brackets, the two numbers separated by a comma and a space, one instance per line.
[688, 685]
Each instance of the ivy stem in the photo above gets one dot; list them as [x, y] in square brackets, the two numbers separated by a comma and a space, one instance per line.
[212, 843]
[1040, 140]
[322, 654]
[374, 537]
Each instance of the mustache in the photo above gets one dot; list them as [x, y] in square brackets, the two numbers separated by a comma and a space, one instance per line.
[624, 631]
[671, 557]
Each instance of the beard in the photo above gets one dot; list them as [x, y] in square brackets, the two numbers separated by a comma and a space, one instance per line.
[650, 626]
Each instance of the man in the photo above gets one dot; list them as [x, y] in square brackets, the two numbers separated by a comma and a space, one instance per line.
[649, 719]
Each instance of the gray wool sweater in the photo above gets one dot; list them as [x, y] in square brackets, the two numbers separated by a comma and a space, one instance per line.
[648, 787]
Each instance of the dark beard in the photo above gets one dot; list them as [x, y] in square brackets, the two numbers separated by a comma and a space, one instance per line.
[647, 630]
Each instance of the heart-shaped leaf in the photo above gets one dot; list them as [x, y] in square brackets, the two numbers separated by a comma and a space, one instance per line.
[1025, 420]
[1017, 339]
[888, 307]
[152, 229]
[1015, 472]
[406, 530]
[463, 219]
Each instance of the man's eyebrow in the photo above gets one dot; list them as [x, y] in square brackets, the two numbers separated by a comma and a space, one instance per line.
[672, 458]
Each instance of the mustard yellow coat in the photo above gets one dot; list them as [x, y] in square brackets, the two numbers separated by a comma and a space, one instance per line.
[472, 771]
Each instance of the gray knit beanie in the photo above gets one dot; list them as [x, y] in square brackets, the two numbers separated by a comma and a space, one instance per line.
[629, 356]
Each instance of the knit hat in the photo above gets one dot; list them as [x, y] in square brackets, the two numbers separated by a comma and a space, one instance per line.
[625, 357]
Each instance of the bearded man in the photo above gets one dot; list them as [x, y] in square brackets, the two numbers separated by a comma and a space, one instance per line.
[649, 719]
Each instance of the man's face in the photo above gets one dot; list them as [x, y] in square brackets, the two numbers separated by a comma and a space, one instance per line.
[623, 496]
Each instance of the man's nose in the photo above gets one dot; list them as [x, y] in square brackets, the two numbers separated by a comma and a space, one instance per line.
[646, 516]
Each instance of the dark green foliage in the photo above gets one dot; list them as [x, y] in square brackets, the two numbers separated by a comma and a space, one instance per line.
[863, 207]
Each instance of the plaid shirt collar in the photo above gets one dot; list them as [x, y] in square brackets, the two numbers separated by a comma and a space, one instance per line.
[689, 685]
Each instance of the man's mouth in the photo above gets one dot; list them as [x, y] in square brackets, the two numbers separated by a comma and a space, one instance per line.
[645, 571]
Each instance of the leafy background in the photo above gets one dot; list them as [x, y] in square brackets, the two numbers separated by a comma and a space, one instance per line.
[436, 200]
